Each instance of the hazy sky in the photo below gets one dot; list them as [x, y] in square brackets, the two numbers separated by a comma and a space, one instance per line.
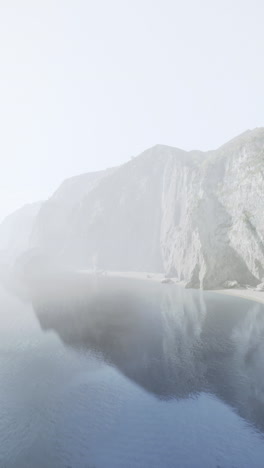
[87, 84]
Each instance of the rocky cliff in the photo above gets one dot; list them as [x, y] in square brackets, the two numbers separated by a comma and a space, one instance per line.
[196, 216]
[15, 233]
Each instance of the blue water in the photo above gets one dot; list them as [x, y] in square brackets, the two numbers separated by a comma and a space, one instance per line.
[130, 374]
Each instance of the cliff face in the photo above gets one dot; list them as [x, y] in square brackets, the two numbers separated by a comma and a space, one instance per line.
[54, 223]
[15, 233]
[197, 216]
[218, 232]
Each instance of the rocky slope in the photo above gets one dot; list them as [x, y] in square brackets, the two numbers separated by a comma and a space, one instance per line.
[54, 222]
[196, 216]
[15, 233]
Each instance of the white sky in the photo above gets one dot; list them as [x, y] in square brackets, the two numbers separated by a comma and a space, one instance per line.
[87, 84]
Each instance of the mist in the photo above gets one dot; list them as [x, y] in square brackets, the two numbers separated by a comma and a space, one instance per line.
[85, 86]
[131, 234]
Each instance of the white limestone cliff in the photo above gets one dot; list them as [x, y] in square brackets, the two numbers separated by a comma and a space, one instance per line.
[15, 233]
[196, 216]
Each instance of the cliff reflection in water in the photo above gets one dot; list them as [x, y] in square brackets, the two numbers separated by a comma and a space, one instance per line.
[174, 343]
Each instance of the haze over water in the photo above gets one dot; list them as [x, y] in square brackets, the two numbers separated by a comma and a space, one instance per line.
[130, 373]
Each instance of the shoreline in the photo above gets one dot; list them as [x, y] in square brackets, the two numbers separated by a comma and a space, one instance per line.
[250, 294]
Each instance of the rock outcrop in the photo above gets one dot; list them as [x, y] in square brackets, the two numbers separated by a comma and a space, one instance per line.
[196, 216]
[15, 233]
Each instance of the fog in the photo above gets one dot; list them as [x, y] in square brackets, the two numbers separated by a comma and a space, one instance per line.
[195, 217]
[131, 234]
[87, 85]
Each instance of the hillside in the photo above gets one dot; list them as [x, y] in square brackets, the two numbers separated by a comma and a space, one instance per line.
[196, 216]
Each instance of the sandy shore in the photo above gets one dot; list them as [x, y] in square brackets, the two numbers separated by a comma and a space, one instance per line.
[251, 294]
[157, 277]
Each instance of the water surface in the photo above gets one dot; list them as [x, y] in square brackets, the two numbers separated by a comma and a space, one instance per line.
[125, 373]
